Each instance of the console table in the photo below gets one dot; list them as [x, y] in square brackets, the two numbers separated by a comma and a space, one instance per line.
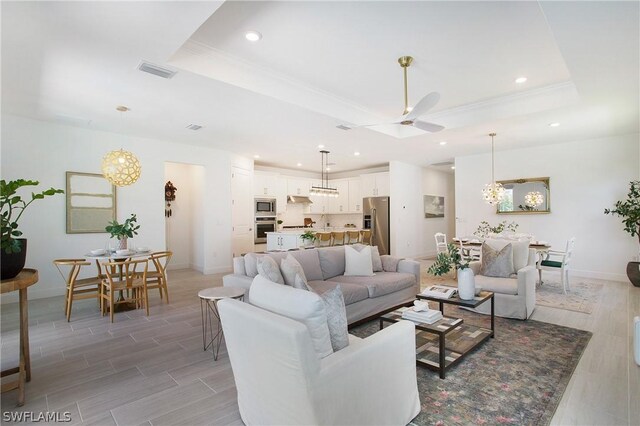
[26, 278]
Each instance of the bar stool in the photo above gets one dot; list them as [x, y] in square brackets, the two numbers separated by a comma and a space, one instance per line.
[338, 238]
[365, 236]
[85, 288]
[323, 239]
[353, 237]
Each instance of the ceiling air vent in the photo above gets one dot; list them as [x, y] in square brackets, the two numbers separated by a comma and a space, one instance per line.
[194, 127]
[343, 127]
[156, 70]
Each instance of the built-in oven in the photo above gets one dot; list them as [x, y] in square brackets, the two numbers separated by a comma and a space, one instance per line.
[263, 225]
[265, 206]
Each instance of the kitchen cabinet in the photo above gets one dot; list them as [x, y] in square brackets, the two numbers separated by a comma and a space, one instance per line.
[318, 205]
[339, 204]
[299, 186]
[283, 241]
[265, 184]
[375, 184]
[355, 195]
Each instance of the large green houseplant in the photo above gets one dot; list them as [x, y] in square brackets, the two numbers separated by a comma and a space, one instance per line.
[629, 211]
[13, 206]
[124, 230]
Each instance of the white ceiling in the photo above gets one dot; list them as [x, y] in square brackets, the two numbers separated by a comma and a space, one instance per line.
[321, 64]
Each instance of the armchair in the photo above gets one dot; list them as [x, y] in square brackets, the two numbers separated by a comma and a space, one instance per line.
[281, 380]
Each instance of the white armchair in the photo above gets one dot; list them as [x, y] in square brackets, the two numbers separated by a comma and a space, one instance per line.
[282, 381]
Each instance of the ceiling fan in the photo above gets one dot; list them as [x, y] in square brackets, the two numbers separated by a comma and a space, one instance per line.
[410, 115]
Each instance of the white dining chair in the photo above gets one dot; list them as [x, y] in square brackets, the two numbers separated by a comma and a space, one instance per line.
[441, 242]
[561, 263]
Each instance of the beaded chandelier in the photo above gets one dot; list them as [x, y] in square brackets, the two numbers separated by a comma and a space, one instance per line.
[493, 193]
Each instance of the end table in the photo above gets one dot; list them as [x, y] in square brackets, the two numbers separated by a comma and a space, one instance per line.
[210, 298]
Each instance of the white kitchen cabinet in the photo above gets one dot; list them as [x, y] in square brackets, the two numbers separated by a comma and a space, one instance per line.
[265, 184]
[318, 205]
[339, 204]
[283, 241]
[281, 194]
[375, 184]
[298, 186]
[355, 195]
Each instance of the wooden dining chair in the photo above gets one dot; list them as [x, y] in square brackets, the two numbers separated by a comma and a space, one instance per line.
[158, 277]
[124, 276]
[365, 236]
[83, 288]
[353, 237]
[323, 239]
[337, 238]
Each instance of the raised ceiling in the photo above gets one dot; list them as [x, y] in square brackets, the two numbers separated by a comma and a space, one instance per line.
[320, 64]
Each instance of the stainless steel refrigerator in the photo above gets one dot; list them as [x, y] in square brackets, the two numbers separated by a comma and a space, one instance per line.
[376, 218]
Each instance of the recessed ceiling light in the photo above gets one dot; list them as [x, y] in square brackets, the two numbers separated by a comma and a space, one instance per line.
[252, 36]
[320, 146]
[521, 80]
[453, 167]
[556, 124]
[443, 142]
[299, 164]
[328, 169]
[356, 153]
[256, 156]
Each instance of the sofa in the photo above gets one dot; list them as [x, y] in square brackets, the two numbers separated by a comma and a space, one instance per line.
[324, 267]
[282, 379]
[515, 297]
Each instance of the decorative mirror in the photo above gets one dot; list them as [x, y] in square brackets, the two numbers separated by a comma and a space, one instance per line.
[91, 203]
[522, 196]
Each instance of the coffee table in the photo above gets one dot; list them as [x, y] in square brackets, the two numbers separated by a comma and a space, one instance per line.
[478, 300]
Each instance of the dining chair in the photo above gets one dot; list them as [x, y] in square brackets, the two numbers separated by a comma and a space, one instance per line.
[441, 242]
[121, 276]
[323, 239]
[469, 252]
[158, 277]
[365, 236]
[353, 237]
[83, 288]
[561, 263]
[337, 238]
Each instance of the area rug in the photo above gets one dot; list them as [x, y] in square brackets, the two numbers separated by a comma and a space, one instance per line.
[516, 378]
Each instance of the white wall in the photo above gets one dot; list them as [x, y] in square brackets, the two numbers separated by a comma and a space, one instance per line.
[184, 227]
[585, 178]
[411, 233]
[44, 151]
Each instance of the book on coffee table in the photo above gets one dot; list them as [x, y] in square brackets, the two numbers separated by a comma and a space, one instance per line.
[427, 317]
[440, 291]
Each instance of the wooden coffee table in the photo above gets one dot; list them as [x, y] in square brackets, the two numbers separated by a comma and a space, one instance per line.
[478, 300]
[443, 344]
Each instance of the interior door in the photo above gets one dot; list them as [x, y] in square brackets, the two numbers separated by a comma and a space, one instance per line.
[242, 215]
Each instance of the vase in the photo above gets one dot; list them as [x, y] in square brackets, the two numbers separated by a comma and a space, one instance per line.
[633, 272]
[122, 244]
[13, 263]
[466, 284]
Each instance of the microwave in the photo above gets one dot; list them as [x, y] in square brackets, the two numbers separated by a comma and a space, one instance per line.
[265, 206]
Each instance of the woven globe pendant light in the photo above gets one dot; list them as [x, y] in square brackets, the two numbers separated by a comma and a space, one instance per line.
[121, 167]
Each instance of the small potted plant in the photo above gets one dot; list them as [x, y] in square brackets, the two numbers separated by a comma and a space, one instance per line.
[629, 211]
[452, 258]
[12, 206]
[309, 237]
[279, 222]
[124, 230]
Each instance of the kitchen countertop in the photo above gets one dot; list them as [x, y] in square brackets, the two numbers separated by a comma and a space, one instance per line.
[303, 230]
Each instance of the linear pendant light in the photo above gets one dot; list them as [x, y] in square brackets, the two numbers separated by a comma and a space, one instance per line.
[324, 190]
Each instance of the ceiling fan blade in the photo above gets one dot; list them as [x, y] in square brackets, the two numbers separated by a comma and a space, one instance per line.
[423, 106]
[354, 126]
[428, 127]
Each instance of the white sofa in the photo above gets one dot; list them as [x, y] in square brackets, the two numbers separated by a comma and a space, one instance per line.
[515, 297]
[365, 297]
[282, 380]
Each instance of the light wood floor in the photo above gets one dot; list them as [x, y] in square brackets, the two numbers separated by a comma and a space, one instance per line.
[153, 370]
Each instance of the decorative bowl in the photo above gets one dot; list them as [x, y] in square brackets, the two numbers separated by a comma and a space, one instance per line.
[121, 252]
[98, 252]
[142, 249]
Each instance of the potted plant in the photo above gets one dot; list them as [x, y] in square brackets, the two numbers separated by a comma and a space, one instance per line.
[309, 237]
[629, 211]
[124, 230]
[484, 229]
[452, 258]
[279, 222]
[14, 249]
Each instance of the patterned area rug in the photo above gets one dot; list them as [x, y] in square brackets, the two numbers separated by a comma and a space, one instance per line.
[516, 378]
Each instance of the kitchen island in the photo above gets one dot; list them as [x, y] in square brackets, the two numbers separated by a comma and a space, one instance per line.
[289, 239]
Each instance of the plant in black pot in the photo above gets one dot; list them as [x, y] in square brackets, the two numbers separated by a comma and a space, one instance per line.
[124, 230]
[629, 210]
[12, 206]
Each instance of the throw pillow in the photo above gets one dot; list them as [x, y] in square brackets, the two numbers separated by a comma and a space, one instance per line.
[268, 268]
[290, 267]
[301, 282]
[497, 263]
[375, 256]
[358, 263]
[336, 318]
[390, 263]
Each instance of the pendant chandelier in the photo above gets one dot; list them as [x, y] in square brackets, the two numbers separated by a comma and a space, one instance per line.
[121, 167]
[493, 193]
[324, 189]
[533, 199]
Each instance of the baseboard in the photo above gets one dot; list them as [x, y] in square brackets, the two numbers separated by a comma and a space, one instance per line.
[176, 266]
[33, 293]
[218, 270]
[578, 273]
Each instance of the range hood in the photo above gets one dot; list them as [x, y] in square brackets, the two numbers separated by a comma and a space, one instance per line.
[298, 199]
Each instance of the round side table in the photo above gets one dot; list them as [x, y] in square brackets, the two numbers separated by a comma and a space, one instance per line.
[209, 297]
